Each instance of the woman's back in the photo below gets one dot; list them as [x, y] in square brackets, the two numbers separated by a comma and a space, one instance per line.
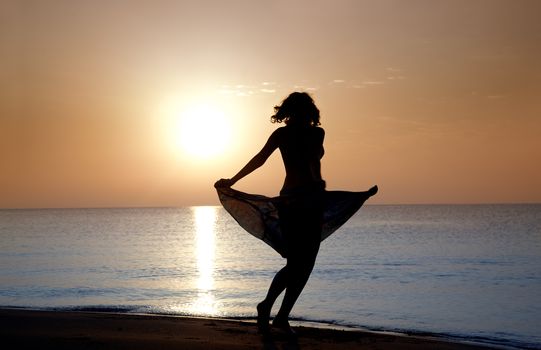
[301, 148]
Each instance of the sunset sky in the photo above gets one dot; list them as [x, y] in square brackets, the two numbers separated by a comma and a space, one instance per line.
[148, 103]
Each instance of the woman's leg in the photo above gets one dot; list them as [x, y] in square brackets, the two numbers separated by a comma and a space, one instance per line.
[277, 286]
[298, 273]
[301, 223]
[292, 278]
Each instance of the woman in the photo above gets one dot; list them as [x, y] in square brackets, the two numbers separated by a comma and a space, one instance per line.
[301, 205]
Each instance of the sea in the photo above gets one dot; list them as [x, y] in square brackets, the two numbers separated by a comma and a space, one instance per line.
[464, 272]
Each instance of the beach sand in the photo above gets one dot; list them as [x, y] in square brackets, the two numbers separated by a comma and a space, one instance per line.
[25, 329]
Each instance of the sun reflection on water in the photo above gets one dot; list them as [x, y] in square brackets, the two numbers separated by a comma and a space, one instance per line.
[205, 221]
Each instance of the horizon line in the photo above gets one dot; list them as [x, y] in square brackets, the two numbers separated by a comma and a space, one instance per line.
[219, 205]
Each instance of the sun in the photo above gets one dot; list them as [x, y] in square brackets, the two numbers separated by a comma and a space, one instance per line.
[203, 131]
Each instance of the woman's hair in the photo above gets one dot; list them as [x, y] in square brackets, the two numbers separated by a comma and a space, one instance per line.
[297, 108]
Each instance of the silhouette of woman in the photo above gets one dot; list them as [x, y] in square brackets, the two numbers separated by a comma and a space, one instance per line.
[293, 223]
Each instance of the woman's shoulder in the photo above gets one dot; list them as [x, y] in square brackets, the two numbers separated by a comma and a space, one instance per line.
[319, 130]
[277, 135]
[313, 131]
[279, 131]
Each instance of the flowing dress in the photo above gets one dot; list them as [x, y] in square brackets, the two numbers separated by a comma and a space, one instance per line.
[259, 215]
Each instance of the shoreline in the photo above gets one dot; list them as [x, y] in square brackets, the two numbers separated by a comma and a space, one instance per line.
[30, 328]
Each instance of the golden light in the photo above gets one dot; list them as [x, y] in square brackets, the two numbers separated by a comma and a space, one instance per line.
[205, 218]
[203, 131]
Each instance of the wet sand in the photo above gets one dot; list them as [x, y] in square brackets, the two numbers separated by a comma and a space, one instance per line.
[27, 329]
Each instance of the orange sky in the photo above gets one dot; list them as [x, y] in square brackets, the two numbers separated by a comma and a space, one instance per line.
[434, 101]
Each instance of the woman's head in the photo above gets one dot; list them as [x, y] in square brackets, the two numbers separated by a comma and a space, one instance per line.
[297, 109]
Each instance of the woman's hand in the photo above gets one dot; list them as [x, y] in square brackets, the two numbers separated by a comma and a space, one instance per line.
[224, 183]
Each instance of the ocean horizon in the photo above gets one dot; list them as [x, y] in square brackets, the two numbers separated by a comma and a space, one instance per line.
[467, 271]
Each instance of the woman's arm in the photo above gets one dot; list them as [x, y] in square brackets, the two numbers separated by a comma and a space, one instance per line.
[258, 160]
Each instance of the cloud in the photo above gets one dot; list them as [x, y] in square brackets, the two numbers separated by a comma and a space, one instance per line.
[240, 90]
[392, 77]
[394, 74]
[305, 88]
[373, 82]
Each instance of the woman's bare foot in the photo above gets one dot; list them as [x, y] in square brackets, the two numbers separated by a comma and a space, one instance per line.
[283, 325]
